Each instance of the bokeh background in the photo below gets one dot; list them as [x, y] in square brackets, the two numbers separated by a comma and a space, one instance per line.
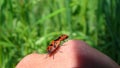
[28, 26]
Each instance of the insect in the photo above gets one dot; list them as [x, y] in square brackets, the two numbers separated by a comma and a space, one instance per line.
[55, 44]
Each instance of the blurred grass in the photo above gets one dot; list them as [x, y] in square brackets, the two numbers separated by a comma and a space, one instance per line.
[29, 25]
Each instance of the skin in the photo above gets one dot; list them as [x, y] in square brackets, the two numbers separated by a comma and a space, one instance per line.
[73, 54]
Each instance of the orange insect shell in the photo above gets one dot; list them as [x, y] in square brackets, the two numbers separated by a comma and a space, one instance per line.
[63, 37]
[56, 43]
[53, 46]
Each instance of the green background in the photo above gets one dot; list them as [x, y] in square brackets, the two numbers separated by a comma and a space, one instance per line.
[28, 26]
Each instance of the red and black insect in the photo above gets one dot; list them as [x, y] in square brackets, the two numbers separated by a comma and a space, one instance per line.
[55, 44]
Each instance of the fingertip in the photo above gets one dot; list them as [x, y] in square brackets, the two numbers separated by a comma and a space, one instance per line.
[88, 57]
[30, 61]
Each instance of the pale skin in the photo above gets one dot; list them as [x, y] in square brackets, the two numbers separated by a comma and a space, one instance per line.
[73, 54]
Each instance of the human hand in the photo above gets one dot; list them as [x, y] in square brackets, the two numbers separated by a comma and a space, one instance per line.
[75, 54]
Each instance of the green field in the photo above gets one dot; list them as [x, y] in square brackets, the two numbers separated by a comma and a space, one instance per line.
[27, 26]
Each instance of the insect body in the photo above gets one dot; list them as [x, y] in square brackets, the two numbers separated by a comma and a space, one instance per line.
[55, 44]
